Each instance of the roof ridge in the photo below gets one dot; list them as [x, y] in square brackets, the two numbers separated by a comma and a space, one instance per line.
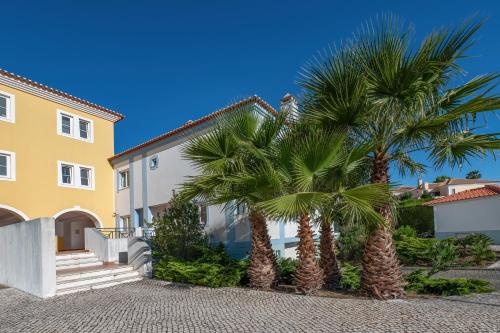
[210, 116]
[57, 92]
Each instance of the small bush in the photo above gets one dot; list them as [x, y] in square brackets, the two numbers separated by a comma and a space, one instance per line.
[419, 282]
[351, 242]
[414, 251]
[201, 273]
[351, 277]
[406, 231]
[213, 268]
[481, 252]
[286, 268]
[442, 254]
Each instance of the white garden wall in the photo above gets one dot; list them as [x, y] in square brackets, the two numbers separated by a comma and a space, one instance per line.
[27, 256]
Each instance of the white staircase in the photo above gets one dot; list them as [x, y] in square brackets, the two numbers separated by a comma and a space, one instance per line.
[80, 271]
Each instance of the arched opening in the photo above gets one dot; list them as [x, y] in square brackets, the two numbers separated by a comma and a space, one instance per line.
[70, 229]
[9, 215]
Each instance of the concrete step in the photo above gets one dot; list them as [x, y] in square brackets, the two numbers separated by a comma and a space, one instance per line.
[64, 262]
[74, 255]
[103, 270]
[96, 264]
[96, 286]
[94, 280]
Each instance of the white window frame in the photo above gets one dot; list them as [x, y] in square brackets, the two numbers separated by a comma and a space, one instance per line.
[11, 166]
[120, 187]
[75, 126]
[76, 176]
[11, 107]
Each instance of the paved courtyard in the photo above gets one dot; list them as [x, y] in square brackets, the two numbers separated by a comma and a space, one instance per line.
[153, 306]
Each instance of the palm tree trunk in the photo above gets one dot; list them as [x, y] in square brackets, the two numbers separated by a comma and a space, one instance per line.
[328, 260]
[381, 277]
[308, 278]
[262, 270]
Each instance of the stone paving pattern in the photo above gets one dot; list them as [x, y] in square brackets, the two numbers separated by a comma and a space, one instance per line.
[155, 306]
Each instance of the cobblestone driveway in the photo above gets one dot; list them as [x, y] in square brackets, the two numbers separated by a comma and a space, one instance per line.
[153, 306]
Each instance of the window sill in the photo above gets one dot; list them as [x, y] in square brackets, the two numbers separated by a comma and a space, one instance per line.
[8, 179]
[76, 187]
[8, 120]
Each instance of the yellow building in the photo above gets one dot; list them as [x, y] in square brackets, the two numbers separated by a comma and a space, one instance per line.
[54, 151]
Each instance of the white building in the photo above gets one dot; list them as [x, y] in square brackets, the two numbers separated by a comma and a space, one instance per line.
[442, 189]
[470, 211]
[147, 176]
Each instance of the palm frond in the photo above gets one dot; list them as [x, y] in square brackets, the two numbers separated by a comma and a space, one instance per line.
[458, 148]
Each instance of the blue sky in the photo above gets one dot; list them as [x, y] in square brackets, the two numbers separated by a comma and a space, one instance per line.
[162, 64]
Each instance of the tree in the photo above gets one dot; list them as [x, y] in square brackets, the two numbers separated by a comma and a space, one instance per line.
[225, 156]
[309, 169]
[442, 178]
[178, 232]
[474, 174]
[400, 100]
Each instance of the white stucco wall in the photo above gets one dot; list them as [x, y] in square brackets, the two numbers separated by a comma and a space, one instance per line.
[27, 256]
[475, 215]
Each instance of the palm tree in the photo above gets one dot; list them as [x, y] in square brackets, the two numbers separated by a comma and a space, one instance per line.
[307, 165]
[224, 157]
[474, 174]
[401, 100]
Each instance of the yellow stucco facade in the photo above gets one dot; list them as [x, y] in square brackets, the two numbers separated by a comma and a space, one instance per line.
[34, 138]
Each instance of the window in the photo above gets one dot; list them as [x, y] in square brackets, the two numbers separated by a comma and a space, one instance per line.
[3, 106]
[85, 177]
[124, 179]
[453, 191]
[7, 107]
[84, 129]
[75, 175]
[75, 127]
[67, 174]
[126, 222]
[7, 165]
[153, 162]
[67, 124]
[203, 214]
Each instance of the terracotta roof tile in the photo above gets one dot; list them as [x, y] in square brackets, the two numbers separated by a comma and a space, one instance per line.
[459, 181]
[190, 124]
[58, 92]
[488, 190]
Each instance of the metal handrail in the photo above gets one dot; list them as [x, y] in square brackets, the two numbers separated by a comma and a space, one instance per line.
[116, 233]
[148, 233]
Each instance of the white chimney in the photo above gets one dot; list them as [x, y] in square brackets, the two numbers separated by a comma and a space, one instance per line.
[288, 103]
[419, 183]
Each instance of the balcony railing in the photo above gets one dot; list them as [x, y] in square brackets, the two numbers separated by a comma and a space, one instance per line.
[115, 233]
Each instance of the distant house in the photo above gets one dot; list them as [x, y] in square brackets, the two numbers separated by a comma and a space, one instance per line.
[442, 189]
[470, 211]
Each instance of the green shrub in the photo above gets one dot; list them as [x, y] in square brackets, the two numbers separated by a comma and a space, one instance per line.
[201, 273]
[351, 277]
[481, 252]
[406, 231]
[442, 254]
[286, 268]
[414, 251]
[178, 233]
[417, 216]
[351, 242]
[213, 268]
[419, 282]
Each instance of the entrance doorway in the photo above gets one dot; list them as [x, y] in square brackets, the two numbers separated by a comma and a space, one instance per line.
[70, 230]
